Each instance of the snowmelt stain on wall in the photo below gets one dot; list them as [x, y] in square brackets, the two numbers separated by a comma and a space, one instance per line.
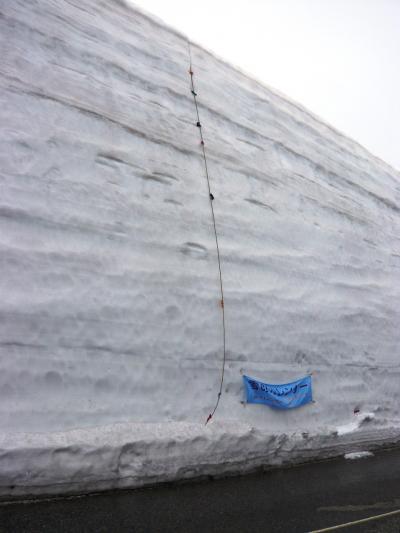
[109, 308]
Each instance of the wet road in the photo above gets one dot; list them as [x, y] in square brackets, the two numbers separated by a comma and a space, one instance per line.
[292, 500]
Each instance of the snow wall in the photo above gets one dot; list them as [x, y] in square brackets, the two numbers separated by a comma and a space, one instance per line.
[110, 329]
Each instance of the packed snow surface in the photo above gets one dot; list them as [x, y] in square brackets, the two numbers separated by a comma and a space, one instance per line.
[357, 421]
[358, 455]
[110, 324]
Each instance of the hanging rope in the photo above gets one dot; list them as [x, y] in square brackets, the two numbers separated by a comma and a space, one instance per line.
[211, 198]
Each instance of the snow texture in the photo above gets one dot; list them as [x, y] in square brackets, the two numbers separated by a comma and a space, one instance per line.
[358, 455]
[355, 423]
[110, 325]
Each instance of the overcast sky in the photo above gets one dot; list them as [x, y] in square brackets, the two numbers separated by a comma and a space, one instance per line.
[339, 58]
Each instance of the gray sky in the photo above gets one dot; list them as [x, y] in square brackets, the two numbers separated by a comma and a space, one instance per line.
[339, 58]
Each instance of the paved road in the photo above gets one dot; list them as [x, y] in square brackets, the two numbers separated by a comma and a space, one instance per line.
[292, 500]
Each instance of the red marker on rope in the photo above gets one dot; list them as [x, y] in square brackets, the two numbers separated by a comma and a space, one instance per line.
[211, 198]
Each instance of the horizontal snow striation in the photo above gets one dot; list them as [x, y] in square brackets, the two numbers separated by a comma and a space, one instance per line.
[109, 308]
[133, 455]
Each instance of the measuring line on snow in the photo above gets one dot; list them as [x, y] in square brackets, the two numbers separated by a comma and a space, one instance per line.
[211, 198]
[355, 522]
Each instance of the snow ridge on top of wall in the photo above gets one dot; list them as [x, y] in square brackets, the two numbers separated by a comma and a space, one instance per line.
[274, 91]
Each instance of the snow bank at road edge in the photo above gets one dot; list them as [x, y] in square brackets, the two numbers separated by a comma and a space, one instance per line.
[135, 455]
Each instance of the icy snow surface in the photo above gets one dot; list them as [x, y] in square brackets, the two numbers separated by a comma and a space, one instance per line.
[358, 455]
[357, 421]
[110, 326]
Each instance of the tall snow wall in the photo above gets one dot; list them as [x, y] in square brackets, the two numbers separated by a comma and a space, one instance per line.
[110, 330]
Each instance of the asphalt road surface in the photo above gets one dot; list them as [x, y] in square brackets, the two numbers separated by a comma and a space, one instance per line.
[299, 499]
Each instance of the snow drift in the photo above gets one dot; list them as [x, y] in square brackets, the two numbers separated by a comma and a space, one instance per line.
[110, 332]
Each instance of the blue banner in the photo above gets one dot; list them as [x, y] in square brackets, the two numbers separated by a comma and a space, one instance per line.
[285, 396]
